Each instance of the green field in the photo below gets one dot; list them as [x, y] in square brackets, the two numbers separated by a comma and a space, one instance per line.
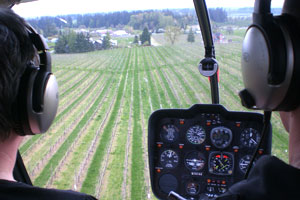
[98, 142]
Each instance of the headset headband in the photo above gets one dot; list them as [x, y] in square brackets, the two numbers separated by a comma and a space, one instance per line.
[42, 48]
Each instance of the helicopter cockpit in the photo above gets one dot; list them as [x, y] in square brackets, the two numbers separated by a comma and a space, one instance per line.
[195, 153]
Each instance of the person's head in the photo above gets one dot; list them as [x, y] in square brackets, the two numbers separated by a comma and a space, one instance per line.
[16, 50]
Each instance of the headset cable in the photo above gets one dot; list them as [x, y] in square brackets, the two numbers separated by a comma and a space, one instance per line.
[266, 128]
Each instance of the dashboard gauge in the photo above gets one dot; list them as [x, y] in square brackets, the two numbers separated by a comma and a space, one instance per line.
[194, 161]
[222, 190]
[221, 163]
[192, 188]
[169, 159]
[196, 134]
[221, 137]
[244, 163]
[168, 183]
[169, 133]
[250, 138]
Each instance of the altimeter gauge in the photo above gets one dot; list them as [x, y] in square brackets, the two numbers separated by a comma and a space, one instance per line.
[250, 138]
[169, 159]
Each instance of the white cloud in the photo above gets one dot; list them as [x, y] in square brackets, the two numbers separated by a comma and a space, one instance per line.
[62, 7]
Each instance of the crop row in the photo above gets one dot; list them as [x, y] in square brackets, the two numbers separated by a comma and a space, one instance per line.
[50, 143]
[87, 144]
[90, 182]
[44, 176]
[61, 115]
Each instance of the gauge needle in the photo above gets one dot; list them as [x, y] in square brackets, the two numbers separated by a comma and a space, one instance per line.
[223, 166]
[220, 162]
[253, 141]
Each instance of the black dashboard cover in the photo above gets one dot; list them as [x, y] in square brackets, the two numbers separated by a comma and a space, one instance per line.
[228, 119]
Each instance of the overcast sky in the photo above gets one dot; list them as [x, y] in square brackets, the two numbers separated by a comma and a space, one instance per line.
[63, 7]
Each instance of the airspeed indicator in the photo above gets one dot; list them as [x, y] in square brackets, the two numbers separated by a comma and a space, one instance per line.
[196, 134]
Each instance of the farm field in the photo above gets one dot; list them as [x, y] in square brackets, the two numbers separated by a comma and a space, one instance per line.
[98, 141]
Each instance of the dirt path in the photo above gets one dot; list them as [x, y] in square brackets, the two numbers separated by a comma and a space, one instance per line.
[154, 42]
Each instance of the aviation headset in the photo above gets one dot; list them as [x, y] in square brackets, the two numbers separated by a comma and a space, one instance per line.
[271, 61]
[38, 91]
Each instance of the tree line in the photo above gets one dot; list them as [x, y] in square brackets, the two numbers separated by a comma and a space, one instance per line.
[217, 14]
[72, 42]
[152, 19]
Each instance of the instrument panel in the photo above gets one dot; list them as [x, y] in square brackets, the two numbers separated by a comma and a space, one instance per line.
[203, 150]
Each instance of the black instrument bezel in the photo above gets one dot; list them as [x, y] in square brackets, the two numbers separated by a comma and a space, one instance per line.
[162, 116]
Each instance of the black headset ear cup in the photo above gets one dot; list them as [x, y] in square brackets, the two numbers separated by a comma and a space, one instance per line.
[38, 91]
[42, 110]
[269, 64]
[24, 98]
[37, 101]
[292, 97]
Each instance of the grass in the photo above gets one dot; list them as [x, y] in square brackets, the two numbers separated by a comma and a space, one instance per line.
[93, 171]
[137, 166]
[42, 179]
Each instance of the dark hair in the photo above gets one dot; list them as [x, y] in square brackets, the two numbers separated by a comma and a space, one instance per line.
[16, 50]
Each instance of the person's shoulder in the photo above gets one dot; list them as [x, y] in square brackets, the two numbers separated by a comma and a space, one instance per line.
[66, 194]
[265, 182]
[17, 190]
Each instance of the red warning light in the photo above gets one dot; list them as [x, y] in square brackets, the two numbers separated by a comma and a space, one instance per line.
[223, 182]
[159, 145]
[218, 156]
[261, 151]
[180, 146]
[224, 156]
[208, 123]
[238, 124]
[208, 180]
[181, 122]
[158, 170]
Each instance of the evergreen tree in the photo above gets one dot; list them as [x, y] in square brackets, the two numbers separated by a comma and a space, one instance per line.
[82, 43]
[73, 43]
[191, 36]
[136, 40]
[106, 41]
[61, 46]
[146, 36]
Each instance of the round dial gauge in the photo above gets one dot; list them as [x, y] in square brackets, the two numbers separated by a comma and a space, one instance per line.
[192, 188]
[168, 183]
[194, 161]
[169, 159]
[250, 138]
[221, 137]
[196, 134]
[169, 133]
[245, 162]
[221, 163]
